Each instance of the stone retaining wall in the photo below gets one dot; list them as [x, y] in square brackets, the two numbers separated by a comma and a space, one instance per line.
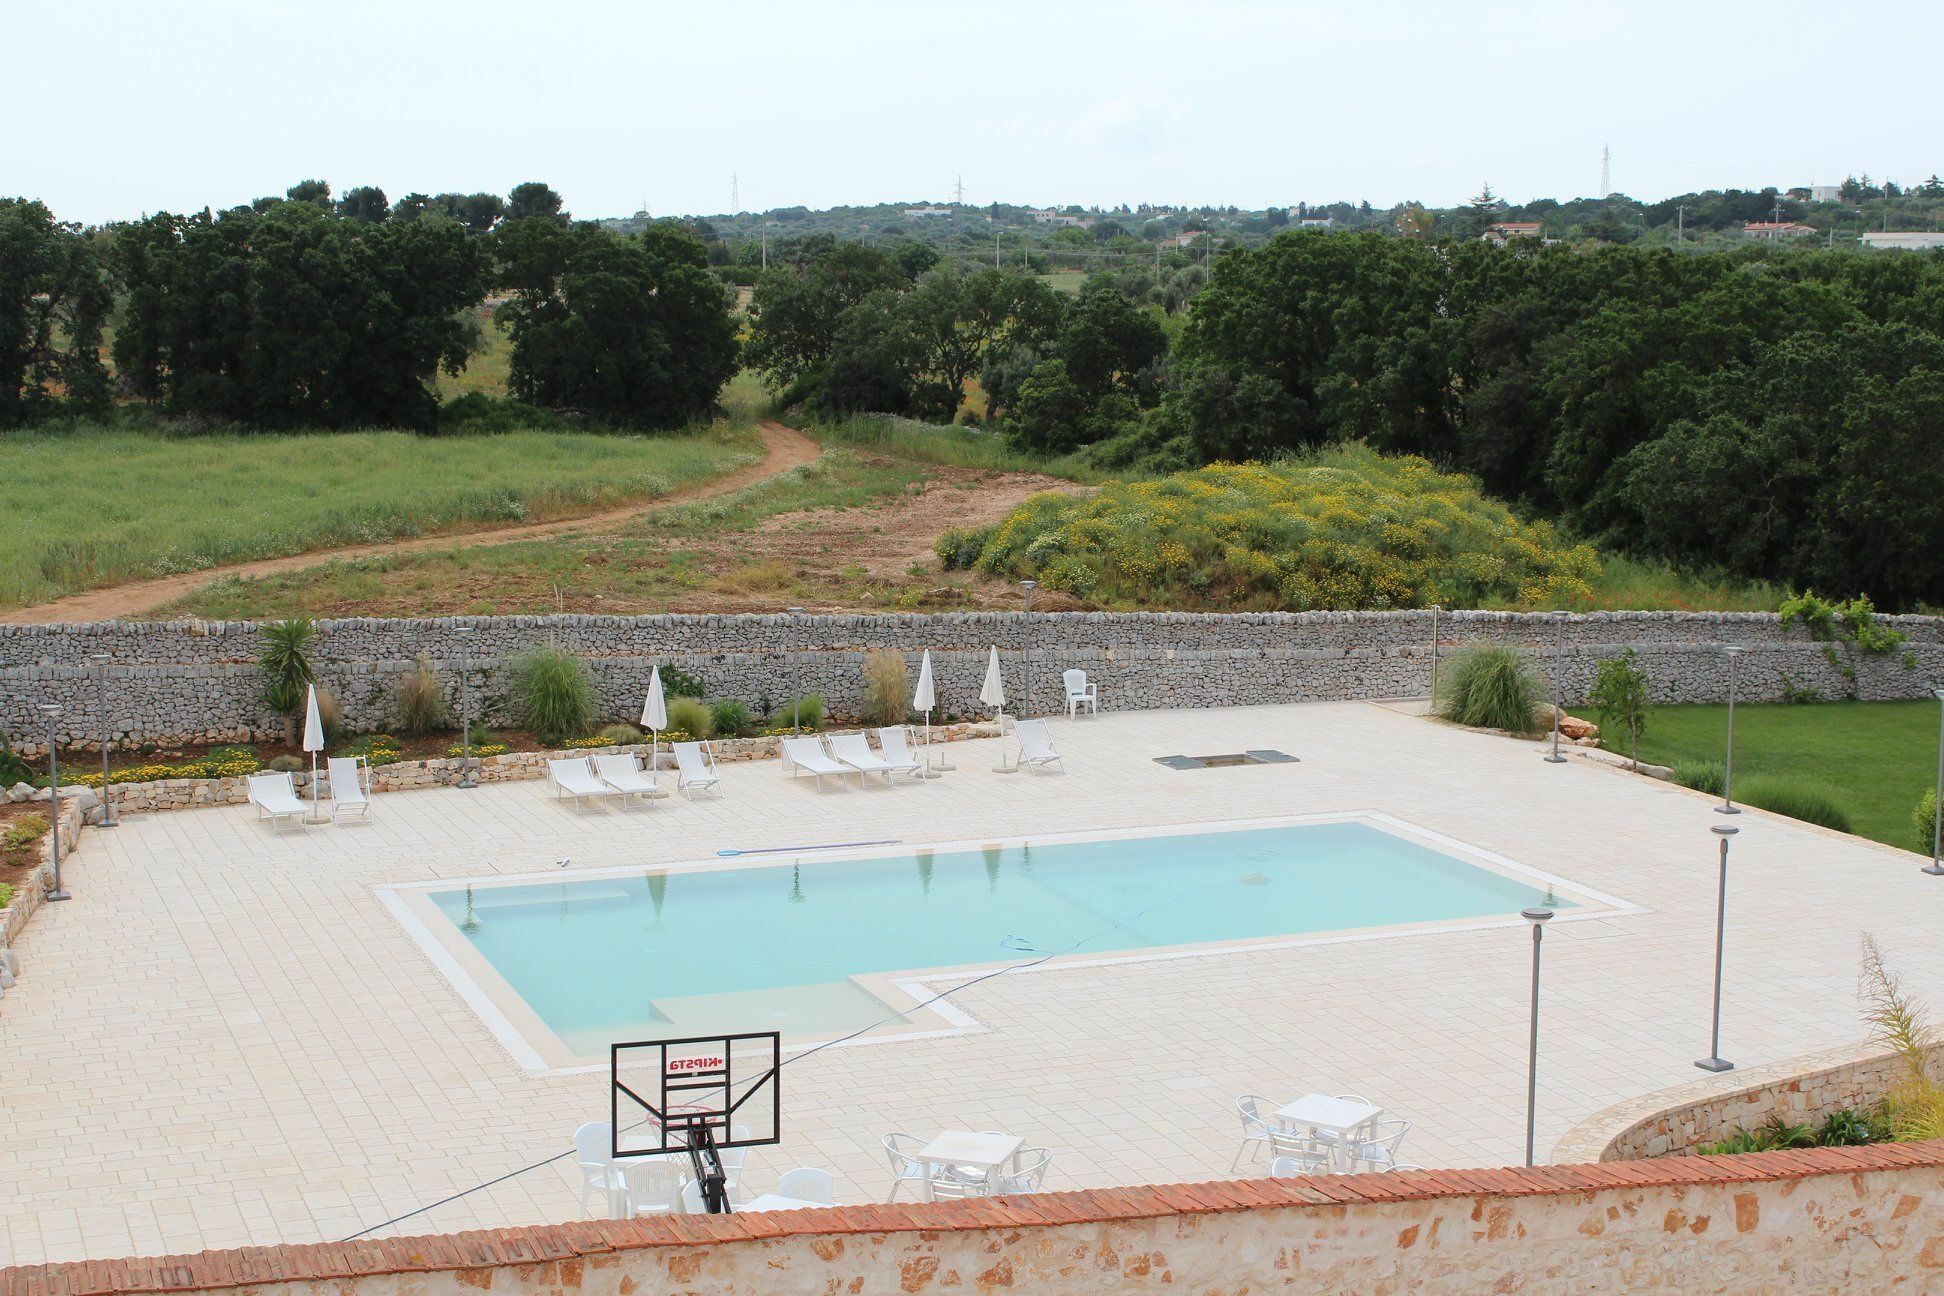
[1829, 1221]
[196, 682]
[31, 893]
[1674, 1121]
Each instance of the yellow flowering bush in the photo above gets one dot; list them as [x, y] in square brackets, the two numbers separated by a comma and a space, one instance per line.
[1344, 528]
[221, 762]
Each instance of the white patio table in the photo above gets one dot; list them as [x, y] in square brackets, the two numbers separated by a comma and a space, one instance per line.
[1339, 1117]
[982, 1152]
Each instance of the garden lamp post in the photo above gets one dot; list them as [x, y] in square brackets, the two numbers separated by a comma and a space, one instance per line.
[1728, 805]
[789, 673]
[466, 779]
[1434, 654]
[1559, 651]
[1026, 698]
[101, 661]
[1538, 917]
[1937, 802]
[1714, 1061]
[52, 711]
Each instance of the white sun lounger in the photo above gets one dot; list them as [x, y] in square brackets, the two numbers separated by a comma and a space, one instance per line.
[622, 776]
[350, 787]
[895, 742]
[855, 751]
[695, 768]
[1036, 745]
[807, 756]
[275, 797]
[573, 777]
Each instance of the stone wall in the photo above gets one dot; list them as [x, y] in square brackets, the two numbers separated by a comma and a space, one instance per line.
[1674, 1121]
[196, 682]
[1829, 1221]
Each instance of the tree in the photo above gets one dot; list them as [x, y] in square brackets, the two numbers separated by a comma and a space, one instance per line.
[54, 301]
[1620, 696]
[798, 312]
[534, 199]
[633, 329]
[365, 204]
[315, 192]
[1051, 411]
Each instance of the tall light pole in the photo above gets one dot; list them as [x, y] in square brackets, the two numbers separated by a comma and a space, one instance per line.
[1559, 652]
[1026, 701]
[1538, 917]
[101, 661]
[1714, 1061]
[1728, 805]
[796, 699]
[53, 712]
[466, 779]
[1937, 804]
[1434, 657]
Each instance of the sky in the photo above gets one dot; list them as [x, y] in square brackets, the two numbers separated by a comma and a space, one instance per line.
[150, 106]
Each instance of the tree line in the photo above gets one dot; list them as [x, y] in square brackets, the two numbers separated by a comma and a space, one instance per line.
[309, 311]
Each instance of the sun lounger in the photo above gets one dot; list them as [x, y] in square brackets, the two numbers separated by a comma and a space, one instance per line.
[855, 751]
[572, 777]
[275, 797]
[622, 776]
[895, 743]
[695, 768]
[350, 787]
[1036, 745]
[807, 756]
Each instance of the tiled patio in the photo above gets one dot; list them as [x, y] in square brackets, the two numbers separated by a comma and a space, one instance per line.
[226, 1039]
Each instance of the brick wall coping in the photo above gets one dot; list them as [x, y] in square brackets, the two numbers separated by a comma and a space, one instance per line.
[550, 1243]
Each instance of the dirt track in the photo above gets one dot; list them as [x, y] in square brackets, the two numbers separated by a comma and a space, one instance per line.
[784, 447]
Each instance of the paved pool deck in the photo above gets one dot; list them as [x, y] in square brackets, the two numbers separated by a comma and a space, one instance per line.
[227, 1038]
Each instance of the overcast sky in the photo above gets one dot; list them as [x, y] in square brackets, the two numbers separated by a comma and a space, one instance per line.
[142, 106]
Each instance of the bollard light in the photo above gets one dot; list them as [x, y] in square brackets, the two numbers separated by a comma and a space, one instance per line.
[101, 661]
[1559, 653]
[1714, 1061]
[1937, 804]
[1728, 805]
[466, 780]
[1538, 916]
[1026, 699]
[53, 712]
[789, 673]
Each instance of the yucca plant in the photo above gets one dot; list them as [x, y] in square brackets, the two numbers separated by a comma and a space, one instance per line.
[553, 692]
[1490, 687]
[286, 665]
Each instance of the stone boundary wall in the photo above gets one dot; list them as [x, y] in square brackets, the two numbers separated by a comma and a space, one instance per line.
[1675, 1121]
[31, 893]
[173, 682]
[1831, 1221]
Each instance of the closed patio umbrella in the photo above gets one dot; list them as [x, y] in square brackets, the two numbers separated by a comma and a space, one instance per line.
[654, 714]
[313, 743]
[924, 699]
[993, 694]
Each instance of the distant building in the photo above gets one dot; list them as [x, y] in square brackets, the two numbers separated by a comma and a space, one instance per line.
[928, 211]
[1189, 239]
[1505, 231]
[1825, 193]
[1907, 240]
[1316, 222]
[1776, 229]
[1060, 218]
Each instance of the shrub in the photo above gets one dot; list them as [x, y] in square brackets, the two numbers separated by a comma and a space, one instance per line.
[1620, 695]
[330, 715]
[221, 762]
[691, 716]
[1924, 818]
[286, 764]
[808, 712]
[24, 831]
[958, 550]
[622, 735]
[1490, 687]
[1796, 800]
[6, 894]
[286, 665]
[1847, 1128]
[887, 696]
[553, 693]
[12, 769]
[421, 702]
[1703, 776]
[378, 749]
[677, 682]
[730, 717]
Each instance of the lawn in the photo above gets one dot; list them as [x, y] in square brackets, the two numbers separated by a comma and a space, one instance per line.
[90, 505]
[1875, 758]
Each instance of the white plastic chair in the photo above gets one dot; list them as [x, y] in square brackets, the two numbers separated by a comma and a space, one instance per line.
[695, 768]
[654, 1184]
[619, 773]
[275, 798]
[1079, 693]
[1284, 1168]
[350, 786]
[901, 1150]
[689, 1200]
[1036, 745]
[807, 1183]
[1311, 1150]
[895, 742]
[855, 751]
[1378, 1149]
[947, 1184]
[575, 778]
[1257, 1128]
[594, 1152]
[1028, 1170]
[807, 756]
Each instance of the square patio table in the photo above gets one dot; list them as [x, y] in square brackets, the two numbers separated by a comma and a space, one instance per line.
[1334, 1116]
[985, 1152]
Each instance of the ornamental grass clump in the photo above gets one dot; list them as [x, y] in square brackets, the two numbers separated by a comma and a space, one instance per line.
[1490, 687]
[553, 693]
[887, 697]
[421, 702]
[1802, 801]
[692, 717]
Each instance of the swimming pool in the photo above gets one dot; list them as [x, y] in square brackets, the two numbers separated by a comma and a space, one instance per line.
[820, 945]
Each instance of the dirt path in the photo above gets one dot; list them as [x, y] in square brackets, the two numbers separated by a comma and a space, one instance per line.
[784, 448]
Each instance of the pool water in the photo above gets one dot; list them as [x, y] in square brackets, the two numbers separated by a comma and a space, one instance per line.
[776, 945]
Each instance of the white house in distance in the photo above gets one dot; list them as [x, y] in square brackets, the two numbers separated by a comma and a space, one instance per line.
[1906, 240]
[1776, 229]
[1505, 231]
[1050, 217]
[1825, 193]
[928, 211]
[1316, 222]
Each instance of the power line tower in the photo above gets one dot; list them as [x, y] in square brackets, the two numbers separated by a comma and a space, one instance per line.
[1606, 170]
[735, 193]
[958, 192]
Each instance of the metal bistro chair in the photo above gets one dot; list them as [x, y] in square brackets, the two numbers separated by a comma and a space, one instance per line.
[1378, 1150]
[901, 1150]
[1257, 1128]
[1028, 1170]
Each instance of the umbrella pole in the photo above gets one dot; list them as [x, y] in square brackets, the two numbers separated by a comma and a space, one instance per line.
[1004, 766]
[314, 817]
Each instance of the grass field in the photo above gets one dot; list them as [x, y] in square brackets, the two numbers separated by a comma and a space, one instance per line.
[1875, 758]
[89, 505]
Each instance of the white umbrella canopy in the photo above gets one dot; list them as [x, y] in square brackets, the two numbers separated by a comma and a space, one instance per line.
[654, 714]
[313, 741]
[924, 699]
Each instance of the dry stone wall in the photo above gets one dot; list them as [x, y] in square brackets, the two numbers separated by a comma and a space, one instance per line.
[196, 681]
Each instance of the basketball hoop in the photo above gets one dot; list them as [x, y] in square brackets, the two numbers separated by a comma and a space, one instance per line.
[709, 1092]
